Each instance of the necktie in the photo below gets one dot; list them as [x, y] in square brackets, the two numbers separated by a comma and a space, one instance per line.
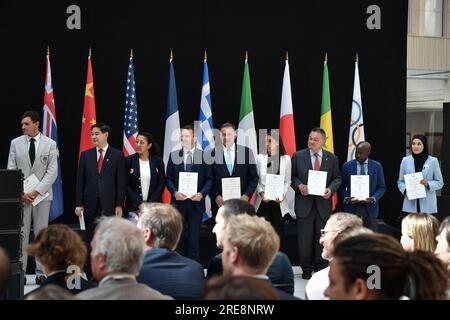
[316, 162]
[229, 162]
[363, 169]
[32, 151]
[100, 160]
[188, 165]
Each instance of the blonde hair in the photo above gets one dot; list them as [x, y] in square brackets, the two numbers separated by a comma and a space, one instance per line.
[255, 239]
[422, 228]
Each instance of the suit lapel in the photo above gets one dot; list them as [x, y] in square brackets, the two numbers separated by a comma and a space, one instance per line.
[307, 160]
[39, 150]
[324, 163]
[24, 147]
[236, 152]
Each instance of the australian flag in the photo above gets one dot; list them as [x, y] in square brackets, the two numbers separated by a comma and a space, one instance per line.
[130, 125]
[50, 130]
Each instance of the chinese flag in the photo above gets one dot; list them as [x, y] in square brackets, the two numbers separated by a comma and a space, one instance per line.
[88, 119]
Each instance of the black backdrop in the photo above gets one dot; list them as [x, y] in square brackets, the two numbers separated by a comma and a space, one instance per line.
[225, 29]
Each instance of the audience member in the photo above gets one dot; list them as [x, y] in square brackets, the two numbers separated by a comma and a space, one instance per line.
[5, 271]
[116, 258]
[51, 292]
[337, 222]
[239, 288]
[419, 231]
[375, 266]
[164, 269]
[250, 244]
[62, 253]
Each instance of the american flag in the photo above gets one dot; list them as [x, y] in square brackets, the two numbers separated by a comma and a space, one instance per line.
[50, 130]
[130, 125]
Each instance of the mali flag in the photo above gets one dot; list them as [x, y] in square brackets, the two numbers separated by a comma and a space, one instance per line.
[326, 122]
[88, 119]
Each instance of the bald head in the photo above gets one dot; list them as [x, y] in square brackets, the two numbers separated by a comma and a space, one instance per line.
[362, 151]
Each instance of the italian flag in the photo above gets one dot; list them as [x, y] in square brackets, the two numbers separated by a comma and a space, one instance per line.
[326, 122]
[246, 135]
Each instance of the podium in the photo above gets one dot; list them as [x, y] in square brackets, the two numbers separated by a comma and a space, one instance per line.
[11, 221]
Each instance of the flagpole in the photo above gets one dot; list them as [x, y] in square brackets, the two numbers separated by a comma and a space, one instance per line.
[90, 52]
[171, 56]
[357, 57]
[48, 51]
[205, 57]
[246, 56]
[326, 56]
[287, 56]
[131, 53]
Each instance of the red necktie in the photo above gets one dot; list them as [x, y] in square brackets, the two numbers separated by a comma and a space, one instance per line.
[100, 160]
[316, 162]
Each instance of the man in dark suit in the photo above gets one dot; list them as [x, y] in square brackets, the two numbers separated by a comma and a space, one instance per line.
[100, 181]
[163, 268]
[232, 160]
[313, 211]
[367, 209]
[192, 207]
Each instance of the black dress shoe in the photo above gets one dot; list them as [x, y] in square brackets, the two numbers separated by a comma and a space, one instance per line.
[40, 279]
[306, 275]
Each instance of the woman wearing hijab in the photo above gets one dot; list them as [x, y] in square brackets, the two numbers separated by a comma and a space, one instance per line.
[421, 161]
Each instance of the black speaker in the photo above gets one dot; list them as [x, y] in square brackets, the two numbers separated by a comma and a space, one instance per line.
[11, 242]
[11, 184]
[11, 215]
[14, 290]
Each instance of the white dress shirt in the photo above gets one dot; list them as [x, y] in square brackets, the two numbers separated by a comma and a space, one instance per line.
[104, 151]
[144, 168]
[233, 153]
[36, 142]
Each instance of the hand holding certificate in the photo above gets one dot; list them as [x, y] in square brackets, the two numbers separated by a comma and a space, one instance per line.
[359, 187]
[317, 182]
[30, 184]
[414, 189]
[187, 183]
[231, 188]
[274, 187]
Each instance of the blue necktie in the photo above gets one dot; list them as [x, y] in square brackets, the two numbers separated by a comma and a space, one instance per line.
[188, 166]
[229, 162]
[363, 169]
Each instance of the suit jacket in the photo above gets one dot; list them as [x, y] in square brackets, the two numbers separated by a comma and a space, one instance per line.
[280, 271]
[157, 181]
[108, 185]
[301, 164]
[122, 289]
[45, 165]
[172, 274]
[377, 186]
[59, 280]
[244, 168]
[205, 180]
[432, 172]
[285, 169]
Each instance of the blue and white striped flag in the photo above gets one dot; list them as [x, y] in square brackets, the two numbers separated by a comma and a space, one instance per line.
[205, 136]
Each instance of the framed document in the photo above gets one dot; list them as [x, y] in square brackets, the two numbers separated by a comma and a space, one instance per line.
[231, 188]
[414, 189]
[317, 182]
[274, 186]
[359, 187]
[187, 183]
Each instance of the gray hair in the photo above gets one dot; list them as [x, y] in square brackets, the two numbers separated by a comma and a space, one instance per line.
[165, 223]
[122, 243]
[342, 220]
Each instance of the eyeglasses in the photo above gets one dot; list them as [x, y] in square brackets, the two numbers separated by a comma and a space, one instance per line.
[323, 232]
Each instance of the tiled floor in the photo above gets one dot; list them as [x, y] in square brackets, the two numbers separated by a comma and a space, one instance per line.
[299, 283]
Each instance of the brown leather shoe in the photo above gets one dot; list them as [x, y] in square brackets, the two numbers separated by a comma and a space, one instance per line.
[40, 279]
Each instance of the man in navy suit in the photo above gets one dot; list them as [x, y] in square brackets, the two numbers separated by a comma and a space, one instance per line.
[368, 208]
[163, 268]
[101, 179]
[232, 160]
[191, 207]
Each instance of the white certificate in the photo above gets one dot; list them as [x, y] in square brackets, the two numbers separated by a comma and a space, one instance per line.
[231, 188]
[414, 189]
[359, 187]
[317, 182]
[30, 184]
[81, 219]
[187, 183]
[274, 186]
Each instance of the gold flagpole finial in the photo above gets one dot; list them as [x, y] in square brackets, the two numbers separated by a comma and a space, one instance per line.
[357, 57]
[48, 50]
[246, 55]
[131, 53]
[171, 55]
[90, 52]
[326, 56]
[287, 56]
[206, 56]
